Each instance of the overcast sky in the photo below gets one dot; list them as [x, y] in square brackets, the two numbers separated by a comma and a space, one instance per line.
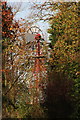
[25, 12]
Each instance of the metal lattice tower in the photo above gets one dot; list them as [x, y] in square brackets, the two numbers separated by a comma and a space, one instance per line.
[37, 82]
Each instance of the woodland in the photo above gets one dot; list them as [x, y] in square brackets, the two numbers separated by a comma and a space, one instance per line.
[61, 94]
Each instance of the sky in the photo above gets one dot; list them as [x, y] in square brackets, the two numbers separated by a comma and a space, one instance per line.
[25, 12]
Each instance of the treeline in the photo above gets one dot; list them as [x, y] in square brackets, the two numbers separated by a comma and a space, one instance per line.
[64, 65]
[61, 96]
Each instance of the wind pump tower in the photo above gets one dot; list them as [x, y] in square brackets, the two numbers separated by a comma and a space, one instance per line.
[37, 82]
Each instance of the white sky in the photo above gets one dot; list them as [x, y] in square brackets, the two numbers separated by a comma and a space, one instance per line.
[25, 11]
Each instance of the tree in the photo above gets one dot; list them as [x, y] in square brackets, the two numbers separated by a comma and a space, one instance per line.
[13, 64]
[64, 23]
[8, 36]
[64, 59]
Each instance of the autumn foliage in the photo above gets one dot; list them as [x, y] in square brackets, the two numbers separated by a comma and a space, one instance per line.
[7, 17]
[64, 62]
[61, 96]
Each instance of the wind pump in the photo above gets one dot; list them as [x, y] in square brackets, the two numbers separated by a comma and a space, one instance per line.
[37, 83]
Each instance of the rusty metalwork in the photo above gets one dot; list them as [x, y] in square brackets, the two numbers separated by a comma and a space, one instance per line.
[37, 82]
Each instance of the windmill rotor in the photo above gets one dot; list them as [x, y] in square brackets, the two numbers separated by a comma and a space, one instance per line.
[35, 30]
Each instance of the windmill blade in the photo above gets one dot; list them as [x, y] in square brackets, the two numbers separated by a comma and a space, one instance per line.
[35, 30]
[29, 37]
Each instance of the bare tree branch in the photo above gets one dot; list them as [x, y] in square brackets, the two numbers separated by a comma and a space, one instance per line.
[12, 85]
